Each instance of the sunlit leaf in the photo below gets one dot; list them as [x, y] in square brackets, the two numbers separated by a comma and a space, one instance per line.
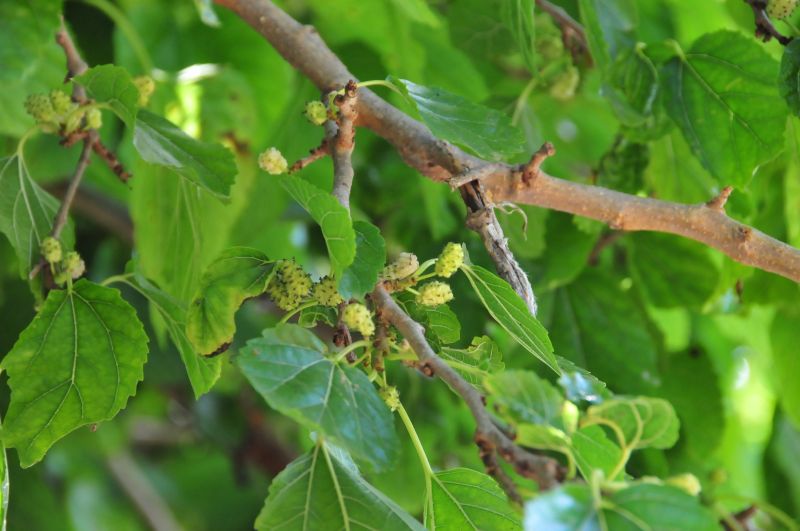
[462, 498]
[112, 85]
[362, 275]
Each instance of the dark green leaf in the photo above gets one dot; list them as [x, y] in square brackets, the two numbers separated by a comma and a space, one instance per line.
[112, 85]
[510, 312]
[362, 275]
[333, 219]
[237, 275]
[524, 397]
[77, 363]
[486, 132]
[287, 367]
[481, 359]
[159, 141]
[721, 93]
[672, 271]
[631, 87]
[789, 78]
[462, 498]
[610, 27]
[785, 335]
[323, 490]
[518, 17]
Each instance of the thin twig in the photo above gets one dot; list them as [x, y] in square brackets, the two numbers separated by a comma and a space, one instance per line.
[304, 49]
[74, 182]
[544, 470]
[313, 155]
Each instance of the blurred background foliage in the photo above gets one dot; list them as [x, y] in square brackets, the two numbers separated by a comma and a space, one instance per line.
[646, 313]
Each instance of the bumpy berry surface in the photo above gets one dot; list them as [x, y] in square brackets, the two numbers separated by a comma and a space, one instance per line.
[781, 8]
[73, 265]
[272, 162]
[325, 292]
[289, 286]
[391, 396]
[62, 104]
[450, 260]
[51, 250]
[403, 267]
[40, 108]
[357, 317]
[316, 113]
[94, 119]
[434, 293]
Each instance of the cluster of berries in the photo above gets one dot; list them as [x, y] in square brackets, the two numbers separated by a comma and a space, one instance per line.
[57, 113]
[65, 266]
[289, 286]
[358, 317]
[325, 292]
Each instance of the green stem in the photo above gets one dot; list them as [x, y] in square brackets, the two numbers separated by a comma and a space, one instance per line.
[522, 100]
[299, 309]
[412, 433]
[122, 22]
[381, 83]
[24, 138]
[425, 265]
[117, 278]
[350, 348]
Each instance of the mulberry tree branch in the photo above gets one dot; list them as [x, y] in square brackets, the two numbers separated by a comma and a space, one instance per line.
[490, 439]
[441, 161]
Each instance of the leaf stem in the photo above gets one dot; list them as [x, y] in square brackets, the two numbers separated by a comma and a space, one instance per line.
[299, 309]
[350, 348]
[117, 278]
[423, 457]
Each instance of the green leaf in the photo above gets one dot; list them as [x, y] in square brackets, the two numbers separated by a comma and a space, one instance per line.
[672, 271]
[631, 86]
[518, 17]
[638, 422]
[112, 85]
[721, 93]
[658, 508]
[510, 312]
[476, 362]
[610, 28]
[524, 397]
[76, 364]
[579, 384]
[323, 490]
[442, 326]
[789, 77]
[32, 61]
[362, 275]
[332, 217]
[203, 371]
[159, 141]
[462, 498]
[240, 273]
[288, 368]
[26, 212]
[568, 507]
[4, 487]
[546, 438]
[594, 450]
[418, 11]
[486, 132]
[784, 335]
[309, 317]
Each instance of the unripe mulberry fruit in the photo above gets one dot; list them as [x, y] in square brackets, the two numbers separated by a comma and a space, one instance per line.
[73, 265]
[316, 113]
[325, 292]
[450, 260]
[40, 108]
[686, 482]
[434, 293]
[94, 119]
[405, 266]
[289, 285]
[272, 162]
[357, 317]
[62, 103]
[51, 250]
[391, 396]
[73, 121]
[146, 86]
[781, 8]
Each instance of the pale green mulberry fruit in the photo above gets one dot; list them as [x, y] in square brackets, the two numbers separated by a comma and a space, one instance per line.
[289, 286]
[73, 265]
[40, 108]
[357, 317]
[781, 8]
[51, 250]
[94, 119]
[272, 162]
[316, 113]
[325, 292]
[450, 260]
[62, 103]
[686, 482]
[434, 293]
[391, 396]
[146, 86]
[405, 266]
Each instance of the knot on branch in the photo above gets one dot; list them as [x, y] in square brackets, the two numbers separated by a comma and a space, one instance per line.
[718, 202]
[479, 218]
[532, 170]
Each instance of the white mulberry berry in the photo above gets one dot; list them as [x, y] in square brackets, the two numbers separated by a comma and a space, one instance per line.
[357, 317]
[62, 103]
[51, 250]
[94, 119]
[434, 293]
[781, 8]
[316, 113]
[73, 265]
[450, 260]
[391, 396]
[405, 266]
[289, 286]
[272, 162]
[40, 108]
[325, 292]
[146, 86]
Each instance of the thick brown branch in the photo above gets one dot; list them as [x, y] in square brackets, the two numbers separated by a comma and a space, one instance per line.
[441, 161]
[544, 470]
[75, 63]
[341, 136]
